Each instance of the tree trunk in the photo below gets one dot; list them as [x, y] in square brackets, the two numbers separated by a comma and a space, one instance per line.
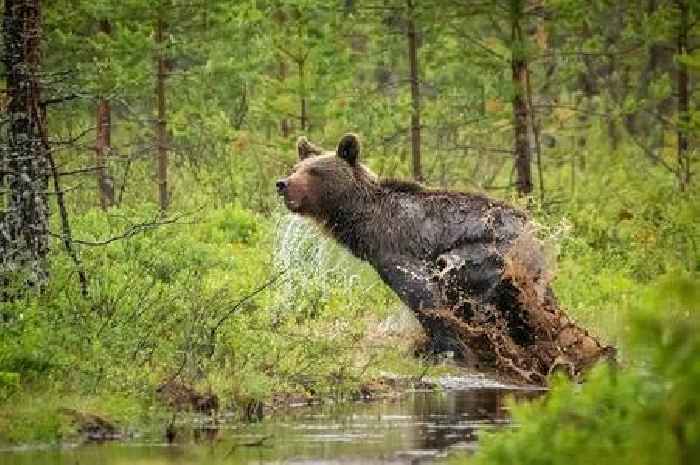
[683, 117]
[536, 134]
[284, 123]
[415, 94]
[302, 94]
[161, 122]
[105, 183]
[24, 171]
[523, 179]
[281, 18]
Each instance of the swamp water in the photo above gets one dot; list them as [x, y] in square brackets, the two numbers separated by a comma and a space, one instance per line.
[415, 428]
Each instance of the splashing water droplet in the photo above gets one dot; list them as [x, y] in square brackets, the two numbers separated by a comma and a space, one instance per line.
[311, 262]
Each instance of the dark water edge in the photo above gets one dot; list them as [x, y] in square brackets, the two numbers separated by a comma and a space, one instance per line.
[415, 428]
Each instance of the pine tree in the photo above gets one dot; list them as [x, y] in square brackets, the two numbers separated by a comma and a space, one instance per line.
[24, 166]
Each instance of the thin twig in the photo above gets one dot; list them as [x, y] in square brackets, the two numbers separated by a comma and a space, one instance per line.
[476, 147]
[129, 232]
[66, 235]
[80, 171]
[245, 299]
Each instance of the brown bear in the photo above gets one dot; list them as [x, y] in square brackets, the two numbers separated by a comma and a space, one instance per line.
[467, 265]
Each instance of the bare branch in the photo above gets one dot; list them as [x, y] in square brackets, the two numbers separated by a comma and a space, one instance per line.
[89, 169]
[65, 98]
[481, 148]
[245, 299]
[130, 231]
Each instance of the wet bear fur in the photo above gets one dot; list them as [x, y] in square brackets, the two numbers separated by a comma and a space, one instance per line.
[447, 255]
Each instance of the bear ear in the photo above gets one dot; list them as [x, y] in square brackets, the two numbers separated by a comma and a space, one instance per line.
[306, 149]
[349, 149]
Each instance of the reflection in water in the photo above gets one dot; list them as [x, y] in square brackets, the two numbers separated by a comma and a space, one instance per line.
[414, 429]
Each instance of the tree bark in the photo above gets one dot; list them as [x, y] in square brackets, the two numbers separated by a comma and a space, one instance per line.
[281, 18]
[415, 93]
[284, 122]
[536, 134]
[161, 122]
[683, 117]
[24, 171]
[523, 172]
[302, 94]
[105, 183]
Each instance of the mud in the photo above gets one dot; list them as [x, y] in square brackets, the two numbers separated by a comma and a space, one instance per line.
[514, 328]
[94, 427]
[182, 397]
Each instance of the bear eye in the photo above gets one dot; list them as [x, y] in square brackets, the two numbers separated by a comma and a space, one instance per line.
[314, 171]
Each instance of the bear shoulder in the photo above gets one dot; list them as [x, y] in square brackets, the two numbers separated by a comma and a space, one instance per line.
[400, 185]
[475, 200]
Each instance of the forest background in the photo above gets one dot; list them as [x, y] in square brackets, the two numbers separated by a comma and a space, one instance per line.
[153, 248]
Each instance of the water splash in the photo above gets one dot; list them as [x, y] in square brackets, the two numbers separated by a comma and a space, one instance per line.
[312, 263]
[317, 268]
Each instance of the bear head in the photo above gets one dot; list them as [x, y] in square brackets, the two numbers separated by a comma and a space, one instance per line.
[323, 181]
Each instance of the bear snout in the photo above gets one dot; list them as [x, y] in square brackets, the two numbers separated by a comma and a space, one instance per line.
[282, 185]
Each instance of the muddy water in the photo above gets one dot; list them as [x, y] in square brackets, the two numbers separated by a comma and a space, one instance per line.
[417, 428]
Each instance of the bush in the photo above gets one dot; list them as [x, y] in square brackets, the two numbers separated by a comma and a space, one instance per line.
[190, 299]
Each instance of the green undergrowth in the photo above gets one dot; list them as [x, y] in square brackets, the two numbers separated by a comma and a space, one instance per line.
[246, 305]
[41, 414]
[614, 239]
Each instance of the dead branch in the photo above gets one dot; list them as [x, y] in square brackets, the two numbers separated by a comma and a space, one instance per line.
[480, 148]
[66, 235]
[65, 98]
[72, 140]
[130, 231]
[89, 169]
[245, 299]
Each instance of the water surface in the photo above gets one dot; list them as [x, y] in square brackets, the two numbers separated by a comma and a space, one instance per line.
[416, 428]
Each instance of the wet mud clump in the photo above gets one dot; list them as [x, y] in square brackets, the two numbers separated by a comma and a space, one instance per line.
[93, 427]
[183, 397]
[470, 267]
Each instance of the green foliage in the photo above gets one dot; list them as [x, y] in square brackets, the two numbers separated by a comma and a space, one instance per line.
[622, 230]
[188, 299]
[35, 419]
[9, 384]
